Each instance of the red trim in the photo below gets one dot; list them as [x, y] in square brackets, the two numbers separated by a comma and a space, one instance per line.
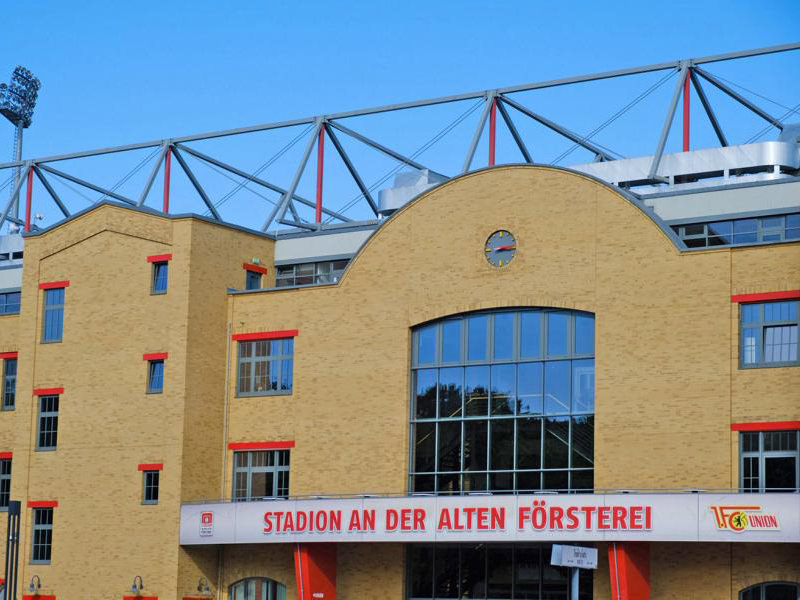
[261, 445]
[40, 597]
[43, 504]
[48, 391]
[5, 355]
[150, 467]
[53, 285]
[159, 258]
[767, 426]
[155, 356]
[265, 335]
[254, 268]
[767, 296]
[6, 455]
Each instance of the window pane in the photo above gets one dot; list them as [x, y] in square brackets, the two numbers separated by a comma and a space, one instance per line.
[500, 573]
[477, 328]
[721, 229]
[420, 570]
[582, 442]
[451, 341]
[583, 385]
[503, 390]
[529, 388]
[502, 445]
[476, 392]
[424, 447]
[584, 334]
[780, 343]
[449, 446]
[780, 473]
[556, 442]
[530, 340]
[749, 345]
[529, 443]
[475, 442]
[446, 571]
[556, 387]
[450, 391]
[426, 345]
[557, 324]
[527, 569]
[503, 345]
[425, 393]
[473, 571]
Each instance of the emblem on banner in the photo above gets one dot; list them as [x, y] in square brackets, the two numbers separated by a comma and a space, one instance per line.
[206, 523]
[742, 518]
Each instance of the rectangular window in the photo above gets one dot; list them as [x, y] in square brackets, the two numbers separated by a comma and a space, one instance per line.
[252, 280]
[5, 482]
[769, 334]
[155, 376]
[42, 542]
[53, 321]
[150, 487]
[48, 423]
[310, 273]
[9, 383]
[265, 367]
[9, 303]
[160, 270]
[260, 474]
[740, 231]
[770, 461]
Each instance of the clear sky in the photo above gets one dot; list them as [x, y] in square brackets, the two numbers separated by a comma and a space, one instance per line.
[122, 72]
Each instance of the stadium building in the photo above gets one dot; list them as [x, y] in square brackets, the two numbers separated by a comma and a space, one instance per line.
[420, 406]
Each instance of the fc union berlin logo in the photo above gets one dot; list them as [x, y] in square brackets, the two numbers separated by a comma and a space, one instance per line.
[742, 518]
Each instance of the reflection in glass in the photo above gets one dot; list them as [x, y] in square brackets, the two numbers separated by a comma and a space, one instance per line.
[477, 328]
[557, 340]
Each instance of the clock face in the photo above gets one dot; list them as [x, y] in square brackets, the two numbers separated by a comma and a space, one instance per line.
[501, 248]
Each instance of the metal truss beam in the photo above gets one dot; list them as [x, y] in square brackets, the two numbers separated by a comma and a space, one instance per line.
[513, 129]
[353, 172]
[201, 192]
[51, 191]
[151, 178]
[476, 137]
[701, 93]
[14, 195]
[570, 135]
[739, 98]
[662, 140]
[87, 184]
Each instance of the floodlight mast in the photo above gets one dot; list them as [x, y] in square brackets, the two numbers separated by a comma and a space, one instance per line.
[17, 102]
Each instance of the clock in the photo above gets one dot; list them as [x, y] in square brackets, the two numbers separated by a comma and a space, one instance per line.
[501, 248]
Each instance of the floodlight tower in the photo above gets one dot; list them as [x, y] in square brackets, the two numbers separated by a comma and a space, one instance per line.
[17, 102]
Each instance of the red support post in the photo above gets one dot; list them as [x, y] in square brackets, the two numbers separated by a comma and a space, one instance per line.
[492, 129]
[320, 160]
[28, 198]
[686, 97]
[167, 161]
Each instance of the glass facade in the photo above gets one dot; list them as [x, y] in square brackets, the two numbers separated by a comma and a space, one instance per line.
[503, 402]
[740, 231]
[327, 271]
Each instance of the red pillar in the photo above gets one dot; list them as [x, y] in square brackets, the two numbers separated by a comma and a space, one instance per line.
[686, 97]
[629, 566]
[320, 160]
[492, 129]
[315, 571]
[28, 198]
[167, 160]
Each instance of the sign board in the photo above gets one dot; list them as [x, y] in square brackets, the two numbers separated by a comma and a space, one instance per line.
[502, 518]
[579, 557]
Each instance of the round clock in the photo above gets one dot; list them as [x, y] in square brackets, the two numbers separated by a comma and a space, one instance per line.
[501, 247]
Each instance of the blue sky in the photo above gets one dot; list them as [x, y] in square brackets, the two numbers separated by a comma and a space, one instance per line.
[116, 73]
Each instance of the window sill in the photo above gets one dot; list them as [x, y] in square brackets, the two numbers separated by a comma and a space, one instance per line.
[10, 314]
[144, 503]
[51, 341]
[40, 562]
[262, 394]
[768, 366]
[49, 449]
[7, 409]
[154, 392]
[153, 293]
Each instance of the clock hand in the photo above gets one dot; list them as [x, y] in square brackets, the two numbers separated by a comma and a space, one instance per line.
[501, 248]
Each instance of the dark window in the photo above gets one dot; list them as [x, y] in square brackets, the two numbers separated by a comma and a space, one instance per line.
[160, 271]
[777, 590]
[257, 588]
[503, 402]
[310, 273]
[5, 482]
[740, 231]
[252, 280]
[265, 367]
[770, 461]
[48, 423]
[53, 321]
[42, 535]
[9, 303]
[768, 334]
[260, 474]
[150, 487]
[155, 376]
[9, 383]
[495, 571]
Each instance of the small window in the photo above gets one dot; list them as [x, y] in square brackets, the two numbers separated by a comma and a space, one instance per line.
[5, 482]
[150, 487]
[53, 321]
[9, 383]
[257, 588]
[265, 367]
[769, 461]
[768, 334]
[155, 376]
[42, 541]
[252, 280]
[48, 423]
[777, 590]
[160, 270]
[260, 474]
[9, 303]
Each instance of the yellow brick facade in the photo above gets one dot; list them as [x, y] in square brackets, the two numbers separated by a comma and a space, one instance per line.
[668, 385]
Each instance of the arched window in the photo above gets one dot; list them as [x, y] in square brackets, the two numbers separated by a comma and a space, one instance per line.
[773, 590]
[257, 588]
[503, 401]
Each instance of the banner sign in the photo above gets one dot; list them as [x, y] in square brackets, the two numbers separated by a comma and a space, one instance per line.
[566, 517]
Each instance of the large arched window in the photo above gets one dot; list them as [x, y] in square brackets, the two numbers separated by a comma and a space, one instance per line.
[257, 588]
[503, 401]
[774, 590]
